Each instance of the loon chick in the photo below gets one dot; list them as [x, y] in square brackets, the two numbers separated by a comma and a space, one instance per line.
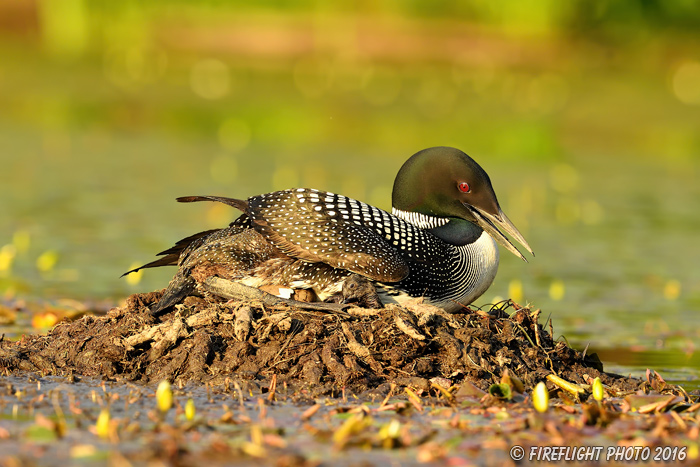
[439, 241]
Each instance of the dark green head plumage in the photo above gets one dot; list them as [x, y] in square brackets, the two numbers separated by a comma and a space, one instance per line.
[445, 182]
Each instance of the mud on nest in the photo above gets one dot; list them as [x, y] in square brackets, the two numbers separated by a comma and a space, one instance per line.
[208, 339]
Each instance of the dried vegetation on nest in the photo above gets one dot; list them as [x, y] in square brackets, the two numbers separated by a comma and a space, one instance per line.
[322, 347]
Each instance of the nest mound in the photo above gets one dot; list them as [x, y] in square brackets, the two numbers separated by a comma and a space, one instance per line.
[207, 340]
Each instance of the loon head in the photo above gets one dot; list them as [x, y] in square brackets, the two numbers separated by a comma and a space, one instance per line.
[445, 182]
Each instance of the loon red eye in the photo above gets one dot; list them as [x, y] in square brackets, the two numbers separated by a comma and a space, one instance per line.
[464, 187]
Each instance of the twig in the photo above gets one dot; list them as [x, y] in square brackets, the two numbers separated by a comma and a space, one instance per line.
[407, 328]
[354, 346]
[534, 316]
[168, 332]
[241, 327]
[235, 291]
[551, 329]
[361, 312]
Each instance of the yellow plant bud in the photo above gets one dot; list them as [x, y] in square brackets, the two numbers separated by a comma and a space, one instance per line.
[597, 389]
[540, 397]
[102, 425]
[190, 410]
[164, 396]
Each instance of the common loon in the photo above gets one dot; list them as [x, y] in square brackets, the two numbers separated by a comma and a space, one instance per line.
[438, 243]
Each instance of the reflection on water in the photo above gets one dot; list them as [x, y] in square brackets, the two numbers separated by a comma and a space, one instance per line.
[675, 367]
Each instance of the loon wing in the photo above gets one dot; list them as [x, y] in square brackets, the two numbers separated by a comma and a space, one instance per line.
[322, 227]
[317, 226]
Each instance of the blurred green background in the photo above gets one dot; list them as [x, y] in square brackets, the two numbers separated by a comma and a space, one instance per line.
[585, 113]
